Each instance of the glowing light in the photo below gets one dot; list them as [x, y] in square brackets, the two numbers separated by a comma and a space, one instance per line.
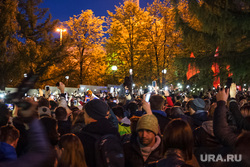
[166, 88]
[114, 68]
[67, 77]
[25, 75]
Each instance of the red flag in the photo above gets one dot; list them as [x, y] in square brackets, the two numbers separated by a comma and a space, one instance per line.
[192, 69]
[216, 69]
[228, 69]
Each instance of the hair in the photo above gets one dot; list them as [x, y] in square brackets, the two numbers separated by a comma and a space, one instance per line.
[133, 125]
[176, 112]
[118, 111]
[245, 110]
[132, 107]
[178, 135]
[50, 126]
[61, 113]
[156, 102]
[79, 118]
[73, 152]
[4, 114]
[43, 102]
[242, 147]
[122, 101]
[9, 134]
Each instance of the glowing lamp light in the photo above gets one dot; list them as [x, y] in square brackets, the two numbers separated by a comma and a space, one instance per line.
[67, 77]
[114, 68]
[166, 88]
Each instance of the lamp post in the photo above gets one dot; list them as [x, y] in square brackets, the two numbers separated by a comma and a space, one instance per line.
[164, 72]
[61, 30]
[67, 78]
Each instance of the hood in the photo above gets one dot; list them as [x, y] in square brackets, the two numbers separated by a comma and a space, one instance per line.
[126, 121]
[208, 127]
[162, 113]
[101, 127]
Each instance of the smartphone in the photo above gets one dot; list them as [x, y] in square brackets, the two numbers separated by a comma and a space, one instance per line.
[154, 83]
[229, 82]
[10, 106]
[147, 97]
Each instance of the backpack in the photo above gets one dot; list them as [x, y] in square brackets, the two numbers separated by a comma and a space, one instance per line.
[108, 150]
[124, 129]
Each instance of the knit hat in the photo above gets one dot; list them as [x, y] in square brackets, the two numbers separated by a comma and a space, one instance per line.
[148, 122]
[96, 109]
[44, 111]
[197, 104]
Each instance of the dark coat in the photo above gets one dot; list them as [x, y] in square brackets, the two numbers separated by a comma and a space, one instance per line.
[162, 118]
[64, 127]
[101, 127]
[174, 158]
[133, 156]
[204, 136]
[7, 152]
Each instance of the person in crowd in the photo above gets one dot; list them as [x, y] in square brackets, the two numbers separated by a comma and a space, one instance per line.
[9, 136]
[72, 152]
[126, 137]
[124, 122]
[197, 111]
[96, 113]
[40, 153]
[44, 107]
[51, 128]
[144, 147]
[157, 107]
[78, 123]
[126, 88]
[64, 125]
[4, 114]
[177, 144]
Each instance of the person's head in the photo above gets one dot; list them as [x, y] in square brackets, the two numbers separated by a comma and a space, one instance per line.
[95, 110]
[43, 102]
[156, 102]
[89, 93]
[9, 134]
[132, 107]
[147, 128]
[53, 105]
[44, 111]
[127, 82]
[72, 151]
[51, 127]
[133, 124]
[195, 105]
[176, 112]
[178, 135]
[4, 114]
[119, 112]
[61, 114]
[245, 110]
[208, 104]
[122, 101]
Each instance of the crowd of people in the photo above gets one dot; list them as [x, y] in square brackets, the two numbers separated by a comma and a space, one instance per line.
[171, 130]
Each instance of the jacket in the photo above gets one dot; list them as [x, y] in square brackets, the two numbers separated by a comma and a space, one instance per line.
[101, 127]
[222, 131]
[133, 155]
[204, 136]
[162, 118]
[7, 152]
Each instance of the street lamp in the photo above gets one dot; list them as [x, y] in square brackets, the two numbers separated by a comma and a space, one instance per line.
[164, 72]
[114, 68]
[67, 77]
[61, 30]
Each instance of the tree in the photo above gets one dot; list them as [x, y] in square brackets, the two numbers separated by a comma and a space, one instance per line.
[224, 24]
[127, 39]
[86, 33]
[8, 62]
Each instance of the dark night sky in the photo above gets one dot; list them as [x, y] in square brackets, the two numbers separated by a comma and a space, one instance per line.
[63, 9]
